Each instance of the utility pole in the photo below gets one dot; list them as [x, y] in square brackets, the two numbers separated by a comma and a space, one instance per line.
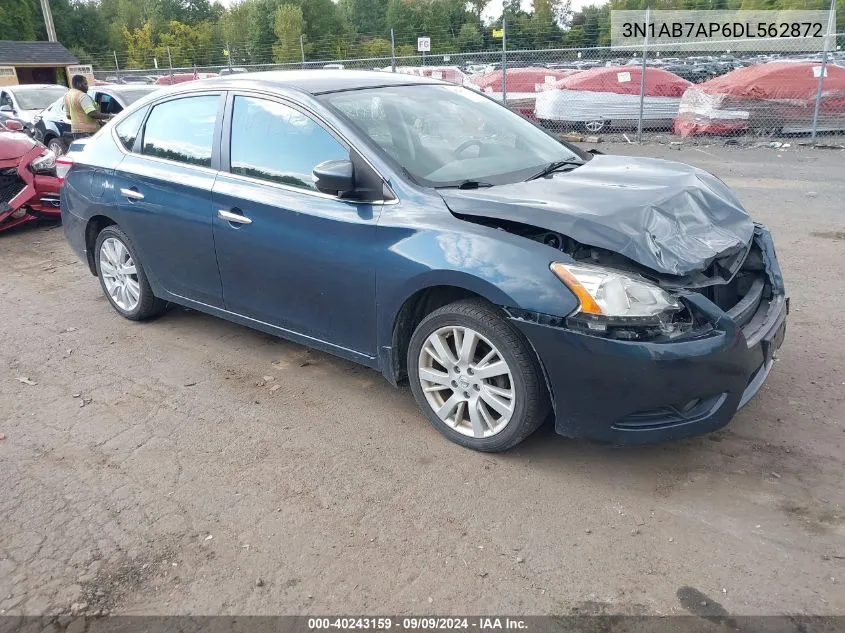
[642, 77]
[48, 21]
[504, 59]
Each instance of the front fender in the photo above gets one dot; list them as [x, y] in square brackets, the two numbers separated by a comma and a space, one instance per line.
[505, 269]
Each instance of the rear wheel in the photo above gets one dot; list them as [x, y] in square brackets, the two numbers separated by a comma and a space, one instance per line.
[122, 277]
[475, 377]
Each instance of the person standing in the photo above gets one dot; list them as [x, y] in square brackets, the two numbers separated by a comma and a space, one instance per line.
[85, 118]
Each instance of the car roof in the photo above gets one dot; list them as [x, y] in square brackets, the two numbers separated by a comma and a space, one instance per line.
[314, 82]
[28, 87]
[128, 89]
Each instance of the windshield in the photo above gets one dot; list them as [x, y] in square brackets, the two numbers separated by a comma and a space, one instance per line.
[447, 135]
[38, 98]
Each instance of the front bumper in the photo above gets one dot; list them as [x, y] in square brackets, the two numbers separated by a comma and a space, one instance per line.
[626, 392]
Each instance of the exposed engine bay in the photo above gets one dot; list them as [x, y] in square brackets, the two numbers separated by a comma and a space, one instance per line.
[737, 284]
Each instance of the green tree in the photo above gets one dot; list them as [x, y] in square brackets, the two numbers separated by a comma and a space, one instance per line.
[368, 17]
[470, 38]
[80, 27]
[20, 20]
[375, 47]
[139, 46]
[262, 35]
[326, 32]
[288, 29]
[477, 8]
[189, 45]
[235, 30]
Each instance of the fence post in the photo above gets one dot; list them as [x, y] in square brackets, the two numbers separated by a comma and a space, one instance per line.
[302, 49]
[831, 29]
[392, 53]
[504, 59]
[642, 78]
[170, 64]
[228, 56]
[116, 67]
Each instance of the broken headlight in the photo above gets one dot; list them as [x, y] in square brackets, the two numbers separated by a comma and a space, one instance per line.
[630, 305]
[46, 163]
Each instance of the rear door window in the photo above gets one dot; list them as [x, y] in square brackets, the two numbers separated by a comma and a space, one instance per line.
[182, 130]
[274, 142]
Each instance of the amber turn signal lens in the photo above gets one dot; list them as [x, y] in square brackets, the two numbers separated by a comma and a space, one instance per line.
[588, 304]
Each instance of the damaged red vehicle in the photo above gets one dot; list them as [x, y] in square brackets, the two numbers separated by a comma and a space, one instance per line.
[29, 188]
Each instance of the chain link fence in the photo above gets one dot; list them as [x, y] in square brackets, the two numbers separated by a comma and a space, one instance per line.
[630, 93]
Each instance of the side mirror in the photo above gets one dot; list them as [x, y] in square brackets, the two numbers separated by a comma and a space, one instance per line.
[6, 108]
[13, 126]
[334, 177]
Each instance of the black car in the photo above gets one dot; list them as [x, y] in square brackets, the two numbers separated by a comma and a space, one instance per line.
[52, 127]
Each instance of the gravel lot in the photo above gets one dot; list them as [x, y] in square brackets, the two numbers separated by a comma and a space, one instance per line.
[188, 465]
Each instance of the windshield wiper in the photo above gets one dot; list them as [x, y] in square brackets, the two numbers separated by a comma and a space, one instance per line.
[466, 184]
[555, 166]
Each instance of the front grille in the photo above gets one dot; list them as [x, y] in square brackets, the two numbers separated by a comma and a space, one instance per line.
[10, 186]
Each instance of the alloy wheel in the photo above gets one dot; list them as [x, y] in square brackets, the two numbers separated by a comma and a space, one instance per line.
[466, 381]
[55, 145]
[120, 277]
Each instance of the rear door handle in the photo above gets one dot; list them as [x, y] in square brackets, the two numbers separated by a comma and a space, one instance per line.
[132, 194]
[237, 218]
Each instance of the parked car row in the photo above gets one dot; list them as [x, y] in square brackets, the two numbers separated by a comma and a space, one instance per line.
[765, 98]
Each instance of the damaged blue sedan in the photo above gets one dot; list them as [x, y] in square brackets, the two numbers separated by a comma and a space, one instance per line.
[424, 230]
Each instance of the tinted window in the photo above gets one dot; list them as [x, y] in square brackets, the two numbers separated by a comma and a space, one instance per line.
[127, 130]
[182, 130]
[273, 142]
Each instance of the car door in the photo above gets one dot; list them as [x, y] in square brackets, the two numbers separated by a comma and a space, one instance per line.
[7, 106]
[289, 255]
[164, 185]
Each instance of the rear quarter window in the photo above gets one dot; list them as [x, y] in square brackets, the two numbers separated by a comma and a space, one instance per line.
[127, 130]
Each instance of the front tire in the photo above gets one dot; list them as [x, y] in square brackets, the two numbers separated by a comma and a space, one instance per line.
[56, 146]
[122, 276]
[475, 377]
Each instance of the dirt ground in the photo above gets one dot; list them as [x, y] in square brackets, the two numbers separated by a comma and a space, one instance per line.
[156, 468]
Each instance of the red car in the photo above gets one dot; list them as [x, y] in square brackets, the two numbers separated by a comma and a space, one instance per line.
[29, 188]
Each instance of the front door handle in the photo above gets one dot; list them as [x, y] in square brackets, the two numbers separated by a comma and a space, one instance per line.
[237, 218]
[132, 194]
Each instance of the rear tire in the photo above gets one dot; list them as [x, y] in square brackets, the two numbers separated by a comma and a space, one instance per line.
[475, 377]
[122, 276]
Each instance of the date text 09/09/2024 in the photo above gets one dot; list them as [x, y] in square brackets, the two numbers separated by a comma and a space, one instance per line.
[750, 30]
[428, 623]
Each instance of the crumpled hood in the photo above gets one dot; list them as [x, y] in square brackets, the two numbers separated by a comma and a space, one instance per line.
[14, 144]
[667, 216]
